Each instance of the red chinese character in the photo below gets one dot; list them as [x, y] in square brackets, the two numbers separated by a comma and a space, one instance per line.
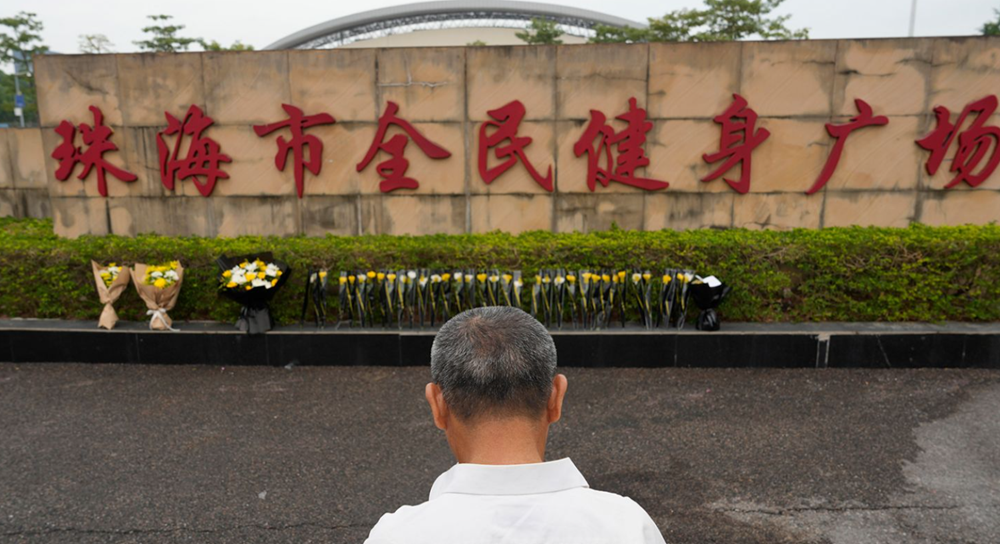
[203, 156]
[973, 143]
[841, 132]
[393, 171]
[628, 144]
[296, 123]
[507, 120]
[737, 143]
[98, 142]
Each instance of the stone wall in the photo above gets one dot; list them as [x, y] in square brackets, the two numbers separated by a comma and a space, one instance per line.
[795, 87]
[23, 188]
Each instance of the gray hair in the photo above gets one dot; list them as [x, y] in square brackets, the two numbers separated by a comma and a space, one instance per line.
[495, 361]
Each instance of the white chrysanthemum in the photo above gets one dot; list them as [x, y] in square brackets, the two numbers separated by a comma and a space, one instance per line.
[636, 277]
[458, 276]
[259, 283]
[435, 278]
[171, 275]
[560, 280]
[411, 274]
[156, 274]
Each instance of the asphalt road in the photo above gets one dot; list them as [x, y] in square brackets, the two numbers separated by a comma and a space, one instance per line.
[113, 453]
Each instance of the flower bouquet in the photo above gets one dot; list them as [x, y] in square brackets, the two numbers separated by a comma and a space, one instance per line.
[111, 282]
[708, 294]
[252, 281]
[159, 286]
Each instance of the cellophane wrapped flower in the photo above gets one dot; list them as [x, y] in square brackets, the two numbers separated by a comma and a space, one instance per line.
[249, 275]
[252, 281]
[111, 281]
[159, 288]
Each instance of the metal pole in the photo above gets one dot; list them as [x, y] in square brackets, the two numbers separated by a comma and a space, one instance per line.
[17, 92]
[913, 17]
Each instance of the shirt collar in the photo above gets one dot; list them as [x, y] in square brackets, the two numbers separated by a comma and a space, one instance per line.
[528, 479]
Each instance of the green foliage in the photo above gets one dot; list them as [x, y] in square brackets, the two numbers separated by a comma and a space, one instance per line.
[20, 36]
[992, 28]
[477, 43]
[95, 44]
[216, 46]
[541, 32]
[7, 93]
[836, 274]
[720, 20]
[163, 38]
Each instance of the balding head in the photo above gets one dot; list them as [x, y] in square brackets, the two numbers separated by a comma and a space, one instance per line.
[495, 361]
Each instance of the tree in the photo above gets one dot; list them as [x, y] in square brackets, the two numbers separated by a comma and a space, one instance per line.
[20, 37]
[164, 38]
[477, 43]
[20, 41]
[95, 44]
[541, 32]
[216, 46]
[720, 20]
[992, 28]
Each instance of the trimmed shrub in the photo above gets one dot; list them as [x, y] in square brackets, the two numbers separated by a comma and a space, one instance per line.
[918, 273]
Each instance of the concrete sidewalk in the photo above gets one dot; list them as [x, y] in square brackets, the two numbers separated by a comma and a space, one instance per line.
[131, 453]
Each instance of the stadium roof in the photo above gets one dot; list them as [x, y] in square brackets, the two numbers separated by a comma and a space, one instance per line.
[430, 15]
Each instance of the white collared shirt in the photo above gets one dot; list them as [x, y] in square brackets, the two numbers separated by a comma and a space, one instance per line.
[538, 503]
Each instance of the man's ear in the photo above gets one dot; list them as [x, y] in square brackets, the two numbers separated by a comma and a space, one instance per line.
[554, 409]
[439, 409]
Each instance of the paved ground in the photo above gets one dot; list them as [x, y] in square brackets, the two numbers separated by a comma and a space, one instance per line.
[194, 454]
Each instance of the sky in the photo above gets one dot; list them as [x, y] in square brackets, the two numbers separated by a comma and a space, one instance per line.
[261, 22]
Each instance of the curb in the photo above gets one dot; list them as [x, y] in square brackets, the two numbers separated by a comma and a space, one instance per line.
[738, 345]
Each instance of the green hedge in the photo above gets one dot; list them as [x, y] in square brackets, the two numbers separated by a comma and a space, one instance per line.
[837, 274]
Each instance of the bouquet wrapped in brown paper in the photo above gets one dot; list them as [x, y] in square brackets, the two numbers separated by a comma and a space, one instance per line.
[111, 282]
[159, 286]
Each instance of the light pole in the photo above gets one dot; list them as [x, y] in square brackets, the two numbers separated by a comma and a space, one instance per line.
[913, 17]
[18, 99]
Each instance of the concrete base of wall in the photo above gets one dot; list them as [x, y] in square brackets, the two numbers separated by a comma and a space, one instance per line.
[823, 345]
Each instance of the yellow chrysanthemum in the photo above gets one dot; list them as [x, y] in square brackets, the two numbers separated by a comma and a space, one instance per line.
[571, 278]
[160, 283]
[251, 276]
[231, 284]
[380, 276]
[481, 277]
[371, 274]
[322, 273]
[392, 277]
[445, 277]
[227, 273]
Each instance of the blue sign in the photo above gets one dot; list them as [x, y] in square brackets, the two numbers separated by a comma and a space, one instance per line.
[18, 100]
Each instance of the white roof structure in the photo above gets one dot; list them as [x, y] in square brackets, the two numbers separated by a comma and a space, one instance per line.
[443, 15]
